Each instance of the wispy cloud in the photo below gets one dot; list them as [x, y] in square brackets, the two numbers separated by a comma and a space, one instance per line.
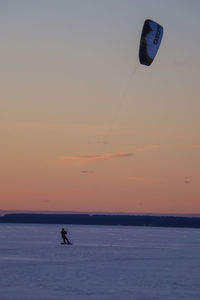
[45, 201]
[146, 148]
[43, 196]
[84, 171]
[46, 125]
[143, 179]
[91, 158]
[195, 145]
[84, 159]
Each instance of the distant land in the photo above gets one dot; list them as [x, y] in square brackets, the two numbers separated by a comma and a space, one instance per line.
[4, 212]
[102, 219]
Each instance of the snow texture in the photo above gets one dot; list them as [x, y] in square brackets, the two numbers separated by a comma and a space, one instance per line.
[104, 262]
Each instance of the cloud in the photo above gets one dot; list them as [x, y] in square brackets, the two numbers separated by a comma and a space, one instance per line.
[147, 148]
[45, 201]
[101, 128]
[84, 171]
[30, 125]
[84, 159]
[98, 142]
[143, 179]
[91, 158]
[48, 125]
[102, 142]
[187, 180]
[43, 196]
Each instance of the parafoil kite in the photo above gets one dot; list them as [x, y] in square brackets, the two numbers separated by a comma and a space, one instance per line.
[150, 41]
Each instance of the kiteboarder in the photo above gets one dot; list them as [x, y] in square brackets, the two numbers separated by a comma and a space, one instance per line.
[65, 239]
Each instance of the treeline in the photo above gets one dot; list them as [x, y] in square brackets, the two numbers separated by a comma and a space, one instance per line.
[95, 219]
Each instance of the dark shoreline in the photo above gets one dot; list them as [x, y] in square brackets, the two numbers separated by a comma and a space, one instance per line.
[100, 219]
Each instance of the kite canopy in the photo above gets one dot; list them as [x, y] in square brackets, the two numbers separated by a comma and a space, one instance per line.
[150, 41]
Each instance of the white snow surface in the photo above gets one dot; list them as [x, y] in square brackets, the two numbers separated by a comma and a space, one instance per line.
[104, 262]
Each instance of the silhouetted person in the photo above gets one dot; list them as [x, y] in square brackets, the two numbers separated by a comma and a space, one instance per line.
[63, 234]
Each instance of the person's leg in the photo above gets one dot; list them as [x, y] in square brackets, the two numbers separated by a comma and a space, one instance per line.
[68, 242]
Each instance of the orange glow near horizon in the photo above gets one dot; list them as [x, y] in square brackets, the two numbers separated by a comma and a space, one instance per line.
[79, 131]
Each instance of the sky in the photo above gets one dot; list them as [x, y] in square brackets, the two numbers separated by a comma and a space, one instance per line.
[84, 126]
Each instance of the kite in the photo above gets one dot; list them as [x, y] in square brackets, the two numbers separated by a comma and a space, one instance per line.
[150, 41]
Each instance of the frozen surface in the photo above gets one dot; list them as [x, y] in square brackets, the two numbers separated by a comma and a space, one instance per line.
[104, 262]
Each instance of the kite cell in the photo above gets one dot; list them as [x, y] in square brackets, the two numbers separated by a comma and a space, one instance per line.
[150, 41]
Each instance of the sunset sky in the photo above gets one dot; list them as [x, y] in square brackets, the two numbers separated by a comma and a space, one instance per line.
[84, 126]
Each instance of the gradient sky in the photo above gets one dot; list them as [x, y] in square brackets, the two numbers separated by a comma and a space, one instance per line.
[83, 126]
